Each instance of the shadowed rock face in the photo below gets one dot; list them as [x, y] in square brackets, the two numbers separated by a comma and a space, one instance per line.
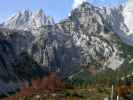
[7, 59]
[15, 64]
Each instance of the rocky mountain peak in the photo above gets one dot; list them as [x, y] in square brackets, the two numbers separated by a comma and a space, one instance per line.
[40, 12]
[84, 7]
[27, 20]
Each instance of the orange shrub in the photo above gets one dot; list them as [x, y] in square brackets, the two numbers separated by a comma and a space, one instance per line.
[50, 83]
[123, 90]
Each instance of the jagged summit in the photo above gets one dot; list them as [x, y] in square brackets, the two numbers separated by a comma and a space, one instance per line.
[84, 7]
[26, 20]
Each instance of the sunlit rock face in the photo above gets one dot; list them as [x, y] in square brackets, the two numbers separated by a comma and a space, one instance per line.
[27, 20]
[128, 16]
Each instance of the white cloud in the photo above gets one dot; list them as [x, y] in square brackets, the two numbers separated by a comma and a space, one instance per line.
[77, 3]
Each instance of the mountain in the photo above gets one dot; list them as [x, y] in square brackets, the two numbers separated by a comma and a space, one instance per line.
[92, 29]
[92, 39]
[27, 20]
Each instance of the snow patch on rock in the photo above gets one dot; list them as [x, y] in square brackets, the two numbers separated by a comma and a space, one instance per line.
[128, 16]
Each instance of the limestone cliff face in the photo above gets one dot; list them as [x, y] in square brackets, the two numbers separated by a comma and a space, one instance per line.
[27, 20]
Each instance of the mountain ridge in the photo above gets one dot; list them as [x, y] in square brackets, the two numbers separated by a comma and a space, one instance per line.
[91, 37]
[28, 20]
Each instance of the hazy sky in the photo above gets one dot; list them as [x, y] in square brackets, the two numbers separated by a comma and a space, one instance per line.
[58, 9]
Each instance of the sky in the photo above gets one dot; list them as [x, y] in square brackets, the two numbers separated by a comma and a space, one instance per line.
[58, 9]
